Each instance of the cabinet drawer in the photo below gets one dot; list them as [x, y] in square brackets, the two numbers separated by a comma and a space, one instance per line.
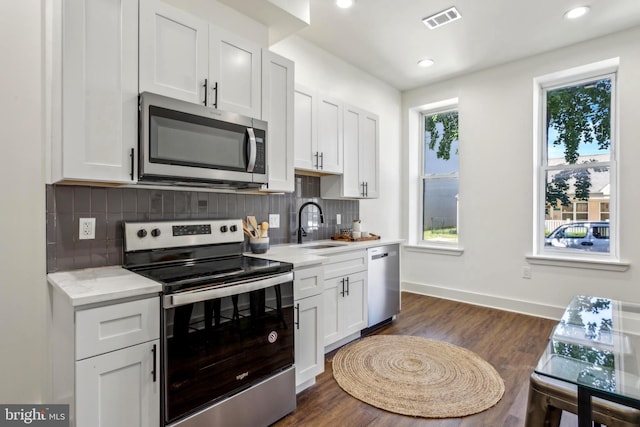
[346, 263]
[307, 282]
[104, 329]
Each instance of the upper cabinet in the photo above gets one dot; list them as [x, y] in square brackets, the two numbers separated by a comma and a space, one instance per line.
[277, 111]
[95, 91]
[183, 57]
[318, 132]
[234, 73]
[174, 52]
[361, 153]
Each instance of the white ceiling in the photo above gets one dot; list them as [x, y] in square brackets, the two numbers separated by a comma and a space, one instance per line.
[387, 37]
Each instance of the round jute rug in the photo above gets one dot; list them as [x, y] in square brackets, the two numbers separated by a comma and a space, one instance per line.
[417, 376]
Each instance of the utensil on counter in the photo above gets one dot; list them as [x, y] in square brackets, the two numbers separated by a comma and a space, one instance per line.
[264, 226]
[246, 229]
[254, 224]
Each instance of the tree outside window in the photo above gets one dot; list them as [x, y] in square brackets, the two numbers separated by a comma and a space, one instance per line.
[577, 160]
[440, 178]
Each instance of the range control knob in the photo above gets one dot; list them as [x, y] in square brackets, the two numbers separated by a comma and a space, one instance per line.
[142, 233]
[155, 232]
[223, 229]
[233, 228]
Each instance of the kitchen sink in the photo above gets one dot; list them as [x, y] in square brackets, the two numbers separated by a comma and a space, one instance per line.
[322, 246]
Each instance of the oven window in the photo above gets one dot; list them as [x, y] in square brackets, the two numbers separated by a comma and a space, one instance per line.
[182, 139]
[216, 347]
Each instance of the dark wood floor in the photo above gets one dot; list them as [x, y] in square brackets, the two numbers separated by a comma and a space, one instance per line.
[511, 342]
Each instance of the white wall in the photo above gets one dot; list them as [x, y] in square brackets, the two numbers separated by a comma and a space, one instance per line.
[23, 288]
[325, 72]
[496, 186]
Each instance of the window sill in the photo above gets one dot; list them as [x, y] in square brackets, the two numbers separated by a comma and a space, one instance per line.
[591, 264]
[442, 250]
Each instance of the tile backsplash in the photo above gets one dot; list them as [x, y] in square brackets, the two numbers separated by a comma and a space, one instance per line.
[111, 206]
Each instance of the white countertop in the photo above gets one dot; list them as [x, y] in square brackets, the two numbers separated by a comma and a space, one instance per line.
[96, 285]
[304, 256]
[104, 284]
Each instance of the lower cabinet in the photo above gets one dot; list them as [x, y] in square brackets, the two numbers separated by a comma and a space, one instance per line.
[345, 302]
[106, 362]
[120, 388]
[309, 337]
[344, 295]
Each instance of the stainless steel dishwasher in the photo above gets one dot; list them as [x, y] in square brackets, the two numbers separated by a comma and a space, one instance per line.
[384, 283]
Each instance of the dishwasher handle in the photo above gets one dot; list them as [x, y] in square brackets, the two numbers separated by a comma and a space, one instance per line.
[378, 256]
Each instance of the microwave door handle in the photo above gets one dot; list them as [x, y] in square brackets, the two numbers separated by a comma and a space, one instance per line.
[252, 150]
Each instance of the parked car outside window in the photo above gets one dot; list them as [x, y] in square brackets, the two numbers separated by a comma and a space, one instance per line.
[585, 236]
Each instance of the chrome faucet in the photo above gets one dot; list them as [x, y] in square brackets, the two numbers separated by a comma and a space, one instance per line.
[300, 218]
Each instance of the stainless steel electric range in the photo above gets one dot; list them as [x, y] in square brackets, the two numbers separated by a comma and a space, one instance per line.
[227, 323]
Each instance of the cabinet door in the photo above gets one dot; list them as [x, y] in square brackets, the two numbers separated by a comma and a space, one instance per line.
[330, 135]
[368, 158]
[353, 305]
[331, 314]
[99, 90]
[277, 110]
[309, 338]
[351, 177]
[174, 57]
[119, 388]
[305, 136]
[235, 65]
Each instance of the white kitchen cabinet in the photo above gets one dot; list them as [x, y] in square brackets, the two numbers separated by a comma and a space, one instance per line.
[117, 389]
[360, 179]
[309, 337]
[185, 57]
[106, 362]
[318, 132]
[345, 296]
[95, 110]
[174, 55]
[234, 72]
[277, 111]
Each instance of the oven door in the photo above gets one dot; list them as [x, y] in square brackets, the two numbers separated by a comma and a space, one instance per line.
[219, 341]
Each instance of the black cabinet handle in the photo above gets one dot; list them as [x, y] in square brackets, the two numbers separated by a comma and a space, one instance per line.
[342, 292]
[321, 161]
[153, 373]
[206, 90]
[215, 100]
[366, 189]
[316, 156]
[132, 161]
[297, 323]
[347, 286]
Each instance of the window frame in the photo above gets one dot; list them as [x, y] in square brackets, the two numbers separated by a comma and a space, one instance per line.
[446, 108]
[576, 76]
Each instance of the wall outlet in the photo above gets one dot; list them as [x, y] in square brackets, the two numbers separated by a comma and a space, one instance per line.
[87, 228]
[338, 219]
[274, 220]
[526, 272]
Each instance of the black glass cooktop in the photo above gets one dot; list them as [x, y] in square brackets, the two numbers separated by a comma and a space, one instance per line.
[189, 275]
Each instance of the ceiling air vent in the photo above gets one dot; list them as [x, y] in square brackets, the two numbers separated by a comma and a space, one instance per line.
[441, 18]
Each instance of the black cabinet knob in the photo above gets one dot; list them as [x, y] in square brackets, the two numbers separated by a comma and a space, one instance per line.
[142, 233]
[155, 232]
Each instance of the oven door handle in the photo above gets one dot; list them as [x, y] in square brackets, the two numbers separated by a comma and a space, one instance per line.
[235, 288]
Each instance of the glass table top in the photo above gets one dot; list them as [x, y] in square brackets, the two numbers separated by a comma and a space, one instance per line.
[596, 345]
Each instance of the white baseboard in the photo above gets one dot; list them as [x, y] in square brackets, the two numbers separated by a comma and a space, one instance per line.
[492, 301]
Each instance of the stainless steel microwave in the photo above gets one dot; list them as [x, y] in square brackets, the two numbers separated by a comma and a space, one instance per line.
[191, 144]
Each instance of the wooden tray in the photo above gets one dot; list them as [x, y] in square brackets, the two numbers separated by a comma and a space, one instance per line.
[347, 238]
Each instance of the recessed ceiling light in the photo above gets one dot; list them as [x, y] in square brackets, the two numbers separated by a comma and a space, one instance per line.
[426, 63]
[344, 4]
[576, 12]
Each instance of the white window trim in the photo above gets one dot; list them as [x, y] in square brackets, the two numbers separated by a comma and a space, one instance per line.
[415, 240]
[540, 254]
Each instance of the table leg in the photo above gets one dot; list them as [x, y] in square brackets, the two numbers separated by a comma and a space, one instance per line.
[584, 407]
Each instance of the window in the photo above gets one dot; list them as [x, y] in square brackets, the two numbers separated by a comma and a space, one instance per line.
[439, 176]
[577, 166]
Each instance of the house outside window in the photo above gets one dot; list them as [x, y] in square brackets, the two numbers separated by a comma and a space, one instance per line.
[439, 177]
[577, 167]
